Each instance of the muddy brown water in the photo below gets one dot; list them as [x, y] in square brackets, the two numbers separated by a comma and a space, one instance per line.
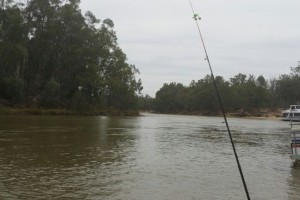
[162, 157]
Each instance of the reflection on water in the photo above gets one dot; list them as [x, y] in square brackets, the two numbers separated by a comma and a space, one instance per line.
[151, 157]
[294, 183]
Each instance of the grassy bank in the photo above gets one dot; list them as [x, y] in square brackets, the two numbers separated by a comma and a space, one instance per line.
[42, 111]
[255, 113]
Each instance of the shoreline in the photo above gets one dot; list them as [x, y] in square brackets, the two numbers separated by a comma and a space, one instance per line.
[4, 110]
[276, 116]
[64, 112]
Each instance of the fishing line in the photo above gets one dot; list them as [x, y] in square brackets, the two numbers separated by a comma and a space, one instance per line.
[197, 18]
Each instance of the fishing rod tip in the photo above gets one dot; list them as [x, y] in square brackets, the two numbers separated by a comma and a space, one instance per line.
[196, 17]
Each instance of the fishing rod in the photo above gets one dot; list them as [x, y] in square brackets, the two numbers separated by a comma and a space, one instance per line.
[197, 18]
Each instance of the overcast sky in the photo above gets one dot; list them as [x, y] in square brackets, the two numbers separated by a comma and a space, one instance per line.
[259, 37]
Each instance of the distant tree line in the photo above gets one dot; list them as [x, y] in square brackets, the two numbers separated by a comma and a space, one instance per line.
[241, 92]
[53, 56]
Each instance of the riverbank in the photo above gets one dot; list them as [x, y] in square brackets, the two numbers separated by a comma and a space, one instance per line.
[272, 114]
[42, 111]
[258, 114]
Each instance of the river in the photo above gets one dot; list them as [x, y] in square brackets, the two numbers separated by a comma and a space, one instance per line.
[161, 157]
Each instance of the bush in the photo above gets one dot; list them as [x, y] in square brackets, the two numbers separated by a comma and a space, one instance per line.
[12, 89]
[50, 94]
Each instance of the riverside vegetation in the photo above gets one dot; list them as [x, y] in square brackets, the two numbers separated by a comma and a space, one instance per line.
[53, 57]
[55, 60]
[242, 95]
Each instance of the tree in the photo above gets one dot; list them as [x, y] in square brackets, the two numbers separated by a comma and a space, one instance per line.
[170, 98]
[52, 50]
[146, 103]
[13, 53]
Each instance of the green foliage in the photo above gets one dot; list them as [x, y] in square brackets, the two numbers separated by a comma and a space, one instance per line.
[53, 56]
[53, 50]
[146, 103]
[50, 94]
[12, 89]
[242, 92]
[288, 87]
[170, 98]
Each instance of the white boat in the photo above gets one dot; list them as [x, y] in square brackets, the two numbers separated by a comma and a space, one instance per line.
[291, 114]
